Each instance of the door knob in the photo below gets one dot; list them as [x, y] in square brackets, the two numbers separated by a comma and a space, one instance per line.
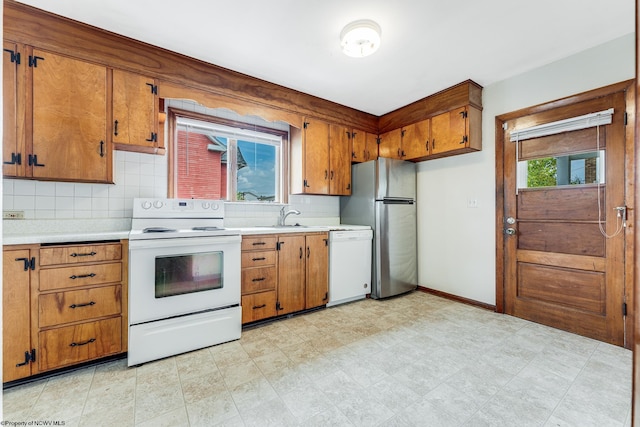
[511, 220]
[510, 231]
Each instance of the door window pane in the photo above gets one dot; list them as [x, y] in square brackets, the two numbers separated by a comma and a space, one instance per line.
[574, 169]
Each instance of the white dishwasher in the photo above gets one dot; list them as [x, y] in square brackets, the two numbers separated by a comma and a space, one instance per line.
[349, 265]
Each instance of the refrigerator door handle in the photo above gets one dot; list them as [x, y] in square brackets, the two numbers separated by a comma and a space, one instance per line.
[390, 201]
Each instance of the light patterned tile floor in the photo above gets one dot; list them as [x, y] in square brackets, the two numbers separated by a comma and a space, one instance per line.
[415, 360]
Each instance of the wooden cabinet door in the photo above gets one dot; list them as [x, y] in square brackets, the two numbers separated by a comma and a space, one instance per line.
[134, 110]
[416, 140]
[16, 318]
[339, 160]
[391, 144]
[69, 119]
[291, 274]
[316, 157]
[13, 149]
[371, 150]
[358, 146]
[448, 131]
[317, 286]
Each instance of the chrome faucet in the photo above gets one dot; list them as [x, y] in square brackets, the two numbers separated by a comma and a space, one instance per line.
[284, 215]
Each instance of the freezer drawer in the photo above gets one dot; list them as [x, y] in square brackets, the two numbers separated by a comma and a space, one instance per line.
[395, 249]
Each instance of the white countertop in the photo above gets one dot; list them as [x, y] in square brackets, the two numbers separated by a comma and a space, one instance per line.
[79, 231]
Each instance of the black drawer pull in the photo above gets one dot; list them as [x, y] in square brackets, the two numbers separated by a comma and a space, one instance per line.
[82, 305]
[259, 243]
[255, 307]
[82, 276]
[89, 254]
[76, 344]
[258, 259]
[258, 279]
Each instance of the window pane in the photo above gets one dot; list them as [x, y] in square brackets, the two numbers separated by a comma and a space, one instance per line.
[201, 166]
[574, 169]
[257, 171]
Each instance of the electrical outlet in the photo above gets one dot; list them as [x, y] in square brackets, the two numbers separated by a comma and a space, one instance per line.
[472, 203]
[13, 215]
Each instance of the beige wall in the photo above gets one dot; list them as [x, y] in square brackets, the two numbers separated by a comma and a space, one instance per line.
[456, 243]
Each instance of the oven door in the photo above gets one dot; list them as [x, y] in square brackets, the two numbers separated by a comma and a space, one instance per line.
[174, 277]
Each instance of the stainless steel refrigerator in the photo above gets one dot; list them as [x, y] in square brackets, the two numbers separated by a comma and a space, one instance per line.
[383, 197]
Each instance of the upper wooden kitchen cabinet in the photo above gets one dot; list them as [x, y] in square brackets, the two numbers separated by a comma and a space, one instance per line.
[13, 82]
[407, 143]
[415, 140]
[321, 159]
[135, 113]
[64, 119]
[457, 131]
[339, 160]
[19, 264]
[390, 145]
[364, 146]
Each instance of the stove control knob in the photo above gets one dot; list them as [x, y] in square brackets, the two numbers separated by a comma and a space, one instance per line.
[205, 205]
[146, 204]
[157, 204]
[215, 206]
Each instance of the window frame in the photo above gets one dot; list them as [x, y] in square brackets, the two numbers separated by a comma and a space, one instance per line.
[172, 118]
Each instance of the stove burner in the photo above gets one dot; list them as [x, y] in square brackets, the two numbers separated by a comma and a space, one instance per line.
[157, 230]
[210, 228]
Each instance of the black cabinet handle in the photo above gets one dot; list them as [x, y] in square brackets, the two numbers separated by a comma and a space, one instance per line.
[115, 128]
[258, 279]
[33, 160]
[258, 259]
[101, 148]
[258, 243]
[300, 253]
[77, 344]
[16, 159]
[82, 305]
[308, 251]
[26, 263]
[256, 307]
[89, 254]
[82, 276]
[27, 359]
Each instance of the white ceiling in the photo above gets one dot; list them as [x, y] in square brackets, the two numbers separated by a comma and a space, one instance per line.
[427, 45]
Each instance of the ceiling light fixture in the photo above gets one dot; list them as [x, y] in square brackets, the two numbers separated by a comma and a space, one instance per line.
[360, 38]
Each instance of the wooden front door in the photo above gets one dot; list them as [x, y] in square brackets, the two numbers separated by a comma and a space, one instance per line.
[564, 220]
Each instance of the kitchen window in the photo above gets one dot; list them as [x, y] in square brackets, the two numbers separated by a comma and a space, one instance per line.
[214, 158]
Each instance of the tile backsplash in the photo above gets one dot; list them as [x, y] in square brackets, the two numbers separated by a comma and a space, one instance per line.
[143, 175]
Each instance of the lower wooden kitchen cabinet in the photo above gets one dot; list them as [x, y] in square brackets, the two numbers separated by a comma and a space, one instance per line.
[283, 274]
[64, 304]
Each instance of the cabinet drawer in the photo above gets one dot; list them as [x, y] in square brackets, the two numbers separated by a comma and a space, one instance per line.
[73, 344]
[84, 253]
[258, 259]
[72, 306]
[258, 279]
[259, 242]
[258, 306]
[80, 275]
